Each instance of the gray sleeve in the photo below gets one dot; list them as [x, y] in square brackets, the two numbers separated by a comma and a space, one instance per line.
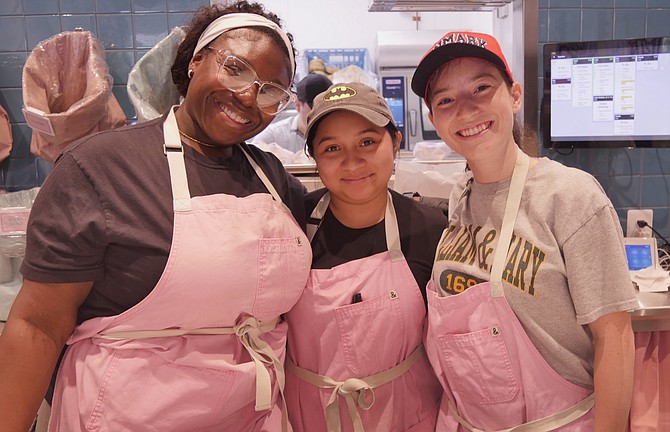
[597, 272]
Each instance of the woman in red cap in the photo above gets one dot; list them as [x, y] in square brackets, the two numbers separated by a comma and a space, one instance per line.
[355, 356]
[534, 332]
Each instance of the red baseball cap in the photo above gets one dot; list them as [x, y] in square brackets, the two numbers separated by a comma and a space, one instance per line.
[456, 45]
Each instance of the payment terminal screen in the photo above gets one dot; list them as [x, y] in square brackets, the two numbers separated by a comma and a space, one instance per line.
[639, 256]
[393, 91]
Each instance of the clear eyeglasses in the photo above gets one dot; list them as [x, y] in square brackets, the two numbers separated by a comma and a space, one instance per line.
[237, 75]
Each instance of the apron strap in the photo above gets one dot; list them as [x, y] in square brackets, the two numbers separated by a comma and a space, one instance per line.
[390, 224]
[509, 218]
[265, 327]
[174, 151]
[248, 332]
[315, 219]
[441, 292]
[261, 174]
[545, 424]
[357, 392]
[392, 231]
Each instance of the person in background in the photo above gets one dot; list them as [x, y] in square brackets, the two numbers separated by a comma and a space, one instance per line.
[289, 133]
[355, 357]
[164, 254]
[530, 288]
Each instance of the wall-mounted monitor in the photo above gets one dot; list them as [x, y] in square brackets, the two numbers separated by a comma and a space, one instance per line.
[612, 93]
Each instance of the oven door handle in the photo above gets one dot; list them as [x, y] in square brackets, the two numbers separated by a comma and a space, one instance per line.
[412, 122]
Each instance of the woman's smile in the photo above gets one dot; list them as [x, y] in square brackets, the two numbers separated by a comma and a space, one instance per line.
[357, 179]
[236, 117]
[476, 130]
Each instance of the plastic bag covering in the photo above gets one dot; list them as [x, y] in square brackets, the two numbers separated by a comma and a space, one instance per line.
[354, 73]
[5, 134]
[429, 180]
[150, 86]
[431, 150]
[14, 211]
[67, 78]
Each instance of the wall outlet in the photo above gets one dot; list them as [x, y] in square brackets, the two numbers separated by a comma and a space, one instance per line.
[634, 215]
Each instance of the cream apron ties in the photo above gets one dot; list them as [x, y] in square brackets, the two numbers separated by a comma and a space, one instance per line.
[204, 350]
[368, 353]
[493, 376]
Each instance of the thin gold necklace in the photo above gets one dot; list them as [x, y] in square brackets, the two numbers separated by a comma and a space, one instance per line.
[197, 141]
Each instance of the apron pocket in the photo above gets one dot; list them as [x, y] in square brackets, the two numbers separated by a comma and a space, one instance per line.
[478, 366]
[372, 334]
[146, 390]
[283, 268]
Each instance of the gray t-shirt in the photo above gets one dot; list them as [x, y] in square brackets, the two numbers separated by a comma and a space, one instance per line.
[566, 266]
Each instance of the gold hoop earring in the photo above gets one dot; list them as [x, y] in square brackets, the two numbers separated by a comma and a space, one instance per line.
[189, 74]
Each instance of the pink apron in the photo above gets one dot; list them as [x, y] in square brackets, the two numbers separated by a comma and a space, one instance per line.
[360, 366]
[650, 407]
[493, 376]
[204, 350]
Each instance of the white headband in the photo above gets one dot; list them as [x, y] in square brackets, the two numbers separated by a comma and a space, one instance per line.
[239, 20]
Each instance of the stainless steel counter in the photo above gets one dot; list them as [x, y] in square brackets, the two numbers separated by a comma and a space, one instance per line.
[653, 313]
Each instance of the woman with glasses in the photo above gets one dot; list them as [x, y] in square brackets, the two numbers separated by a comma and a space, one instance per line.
[355, 360]
[164, 254]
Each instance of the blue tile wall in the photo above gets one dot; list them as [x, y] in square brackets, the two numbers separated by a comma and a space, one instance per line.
[126, 28]
[603, 24]
[77, 6]
[630, 23]
[657, 22]
[632, 178]
[629, 3]
[564, 24]
[41, 27]
[150, 6]
[11, 7]
[12, 30]
[149, 29]
[79, 21]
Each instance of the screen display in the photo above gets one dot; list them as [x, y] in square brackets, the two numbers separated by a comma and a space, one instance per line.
[607, 93]
[639, 256]
[393, 91]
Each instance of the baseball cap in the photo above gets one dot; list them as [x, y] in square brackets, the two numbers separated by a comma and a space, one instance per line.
[454, 45]
[355, 97]
[312, 85]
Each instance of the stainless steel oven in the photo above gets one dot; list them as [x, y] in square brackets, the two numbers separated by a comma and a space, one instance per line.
[409, 111]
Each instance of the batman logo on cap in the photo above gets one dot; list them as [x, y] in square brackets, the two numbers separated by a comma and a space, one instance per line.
[339, 92]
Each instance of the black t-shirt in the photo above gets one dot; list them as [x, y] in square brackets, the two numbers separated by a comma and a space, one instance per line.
[420, 228]
[105, 212]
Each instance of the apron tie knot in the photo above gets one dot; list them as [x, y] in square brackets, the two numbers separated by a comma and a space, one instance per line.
[355, 392]
[358, 390]
[249, 331]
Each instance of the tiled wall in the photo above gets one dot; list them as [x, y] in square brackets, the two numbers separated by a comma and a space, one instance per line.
[638, 178]
[127, 29]
[633, 178]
